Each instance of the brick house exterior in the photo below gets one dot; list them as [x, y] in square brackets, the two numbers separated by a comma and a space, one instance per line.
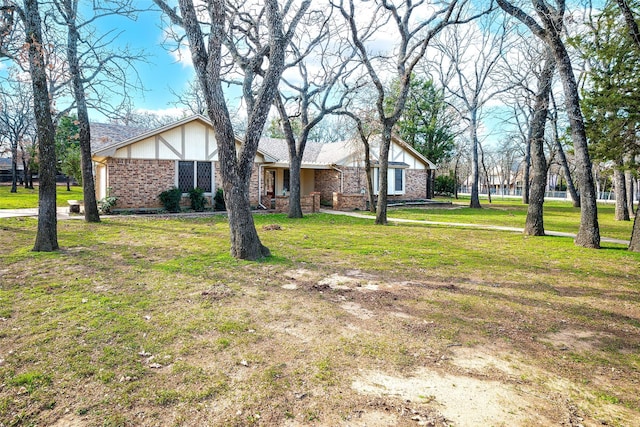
[136, 165]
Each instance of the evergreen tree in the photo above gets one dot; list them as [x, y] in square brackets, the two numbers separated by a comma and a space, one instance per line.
[426, 122]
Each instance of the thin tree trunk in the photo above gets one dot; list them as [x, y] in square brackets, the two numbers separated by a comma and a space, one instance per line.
[534, 225]
[486, 173]
[634, 244]
[91, 213]
[455, 176]
[47, 234]
[14, 167]
[571, 188]
[632, 25]
[475, 170]
[527, 168]
[295, 159]
[368, 170]
[621, 212]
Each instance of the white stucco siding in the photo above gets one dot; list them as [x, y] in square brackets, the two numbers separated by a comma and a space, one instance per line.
[195, 136]
[145, 149]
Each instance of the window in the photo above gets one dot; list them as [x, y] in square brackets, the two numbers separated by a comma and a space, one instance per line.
[204, 176]
[195, 174]
[286, 180]
[399, 187]
[395, 181]
[185, 176]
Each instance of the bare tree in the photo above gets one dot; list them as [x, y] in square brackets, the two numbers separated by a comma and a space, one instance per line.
[469, 57]
[16, 121]
[534, 225]
[307, 96]
[89, 61]
[550, 31]
[29, 16]
[255, 37]
[414, 36]
[191, 98]
[562, 157]
[366, 128]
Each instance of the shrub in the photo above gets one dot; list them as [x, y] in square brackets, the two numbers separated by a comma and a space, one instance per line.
[218, 201]
[106, 204]
[198, 201]
[445, 184]
[171, 199]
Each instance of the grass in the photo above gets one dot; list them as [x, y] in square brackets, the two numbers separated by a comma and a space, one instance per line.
[26, 198]
[558, 216]
[148, 320]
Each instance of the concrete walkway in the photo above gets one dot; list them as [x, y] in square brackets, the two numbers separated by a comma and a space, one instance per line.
[63, 213]
[463, 225]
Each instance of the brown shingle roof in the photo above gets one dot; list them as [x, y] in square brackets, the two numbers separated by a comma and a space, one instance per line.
[105, 134]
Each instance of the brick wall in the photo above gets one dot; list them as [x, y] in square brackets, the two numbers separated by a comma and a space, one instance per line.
[137, 183]
[416, 184]
[349, 202]
[309, 203]
[354, 180]
[327, 182]
[254, 198]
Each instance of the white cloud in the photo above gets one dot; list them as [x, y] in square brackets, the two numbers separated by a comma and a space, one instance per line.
[163, 112]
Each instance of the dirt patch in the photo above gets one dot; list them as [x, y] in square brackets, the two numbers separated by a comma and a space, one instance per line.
[357, 310]
[463, 401]
[483, 361]
[573, 340]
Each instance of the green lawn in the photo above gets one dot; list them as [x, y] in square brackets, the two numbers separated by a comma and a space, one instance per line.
[149, 321]
[25, 198]
[558, 216]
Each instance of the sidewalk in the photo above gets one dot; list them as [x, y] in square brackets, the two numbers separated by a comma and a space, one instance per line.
[63, 213]
[463, 225]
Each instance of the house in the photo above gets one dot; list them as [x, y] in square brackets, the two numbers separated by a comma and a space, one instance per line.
[136, 165]
[6, 165]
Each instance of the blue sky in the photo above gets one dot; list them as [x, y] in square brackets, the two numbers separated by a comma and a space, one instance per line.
[162, 71]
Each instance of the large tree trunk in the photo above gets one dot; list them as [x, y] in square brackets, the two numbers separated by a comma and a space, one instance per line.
[634, 244]
[475, 163]
[620, 188]
[295, 208]
[88, 186]
[628, 177]
[47, 234]
[534, 225]
[383, 182]
[236, 165]
[245, 243]
[589, 232]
